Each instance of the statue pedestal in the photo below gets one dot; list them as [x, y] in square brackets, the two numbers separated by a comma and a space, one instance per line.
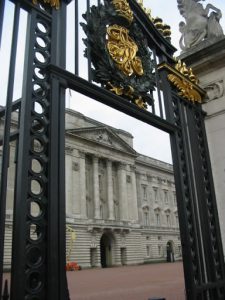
[208, 64]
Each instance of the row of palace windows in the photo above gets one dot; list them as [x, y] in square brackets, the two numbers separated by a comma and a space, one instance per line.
[156, 196]
[146, 219]
[161, 252]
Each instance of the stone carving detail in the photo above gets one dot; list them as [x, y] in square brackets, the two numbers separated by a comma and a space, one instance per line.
[75, 166]
[201, 23]
[69, 150]
[103, 137]
[214, 90]
[128, 179]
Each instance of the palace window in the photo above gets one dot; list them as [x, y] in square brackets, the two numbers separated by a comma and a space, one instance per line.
[168, 223]
[148, 251]
[174, 198]
[101, 211]
[179, 250]
[155, 189]
[146, 217]
[166, 199]
[144, 192]
[157, 218]
[116, 210]
[100, 182]
[160, 250]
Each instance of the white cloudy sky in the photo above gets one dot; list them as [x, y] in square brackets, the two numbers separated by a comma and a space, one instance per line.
[147, 140]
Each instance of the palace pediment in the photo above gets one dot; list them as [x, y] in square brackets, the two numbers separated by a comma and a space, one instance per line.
[104, 136]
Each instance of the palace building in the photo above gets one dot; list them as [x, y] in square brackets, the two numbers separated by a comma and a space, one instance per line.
[120, 205]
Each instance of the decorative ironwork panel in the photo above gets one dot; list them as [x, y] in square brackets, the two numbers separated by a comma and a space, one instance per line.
[38, 251]
[199, 227]
[124, 44]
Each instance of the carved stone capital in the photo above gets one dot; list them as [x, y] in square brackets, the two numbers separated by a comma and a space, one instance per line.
[69, 150]
[122, 166]
[214, 90]
[95, 159]
[132, 168]
[81, 154]
[75, 166]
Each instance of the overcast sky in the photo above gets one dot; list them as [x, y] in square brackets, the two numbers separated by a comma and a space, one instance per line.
[147, 140]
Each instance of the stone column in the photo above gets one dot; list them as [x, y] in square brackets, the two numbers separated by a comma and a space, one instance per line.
[110, 190]
[83, 206]
[134, 198]
[96, 188]
[122, 182]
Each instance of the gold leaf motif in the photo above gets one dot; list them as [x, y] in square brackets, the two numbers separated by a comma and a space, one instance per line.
[182, 68]
[186, 88]
[129, 92]
[123, 50]
[140, 103]
[122, 7]
[53, 3]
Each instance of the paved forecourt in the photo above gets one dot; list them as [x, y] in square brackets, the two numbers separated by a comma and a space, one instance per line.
[128, 283]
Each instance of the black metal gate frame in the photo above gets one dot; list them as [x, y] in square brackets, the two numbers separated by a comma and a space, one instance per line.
[38, 265]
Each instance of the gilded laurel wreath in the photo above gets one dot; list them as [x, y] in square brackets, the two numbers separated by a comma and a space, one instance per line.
[119, 52]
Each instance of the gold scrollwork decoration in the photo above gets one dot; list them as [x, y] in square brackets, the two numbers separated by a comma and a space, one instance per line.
[185, 81]
[53, 3]
[186, 88]
[123, 50]
[128, 92]
[122, 7]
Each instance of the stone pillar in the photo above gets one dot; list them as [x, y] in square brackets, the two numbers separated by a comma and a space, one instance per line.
[134, 199]
[96, 188]
[83, 206]
[110, 190]
[122, 182]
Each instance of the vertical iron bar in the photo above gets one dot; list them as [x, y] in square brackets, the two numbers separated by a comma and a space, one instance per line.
[181, 190]
[17, 290]
[62, 197]
[99, 2]
[5, 295]
[153, 104]
[6, 136]
[76, 22]
[56, 244]
[2, 8]
[157, 84]
[201, 177]
[88, 49]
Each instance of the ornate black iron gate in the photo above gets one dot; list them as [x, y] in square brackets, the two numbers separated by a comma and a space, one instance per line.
[38, 260]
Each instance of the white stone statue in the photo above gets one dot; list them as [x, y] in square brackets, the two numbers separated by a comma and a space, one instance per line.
[201, 23]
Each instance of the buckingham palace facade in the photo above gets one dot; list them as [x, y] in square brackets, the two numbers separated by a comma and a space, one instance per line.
[121, 206]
